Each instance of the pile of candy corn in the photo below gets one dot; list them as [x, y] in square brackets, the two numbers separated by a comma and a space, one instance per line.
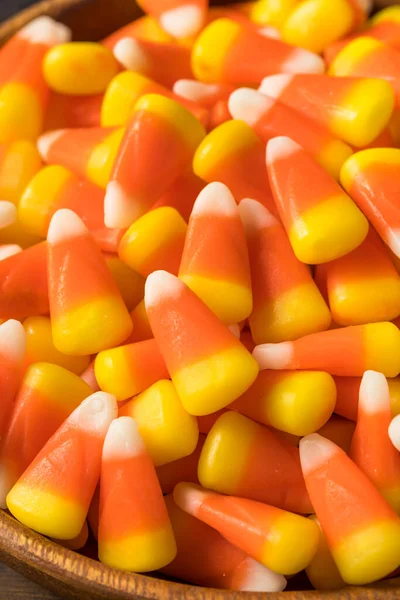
[200, 291]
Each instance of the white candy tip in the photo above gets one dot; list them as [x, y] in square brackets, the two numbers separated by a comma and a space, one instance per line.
[123, 440]
[216, 199]
[45, 30]
[189, 497]
[374, 393]
[302, 61]
[8, 250]
[64, 225]
[315, 451]
[12, 340]
[191, 89]
[46, 141]
[8, 213]
[249, 105]
[131, 55]
[95, 414]
[258, 578]
[235, 329]
[274, 356]
[161, 286]
[255, 216]
[279, 148]
[183, 21]
[270, 32]
[394, 432]
[120, 211]
[274, 85]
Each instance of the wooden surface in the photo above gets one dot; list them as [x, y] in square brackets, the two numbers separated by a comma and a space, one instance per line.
[16, 587]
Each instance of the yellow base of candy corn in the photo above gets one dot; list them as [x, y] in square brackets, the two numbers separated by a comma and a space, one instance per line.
[362, 161]
[92, 327]
[369, 554]
[214, 382]
[297, 312]
[211, 48]
[102, 158]
[46, 512]
[356, 51]
[21, 114]
[274, 13]
[333, 155]
[231, 302]
[21, 162]
[322, 570]
[328, 230]
[139, 553]
[392, 496]
[382, 346]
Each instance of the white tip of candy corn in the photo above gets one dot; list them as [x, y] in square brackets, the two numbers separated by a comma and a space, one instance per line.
[45, 30]
[8, 213]
[64, 225]
[12, 340]
[189, 497]
[160, 286]
[235, 329]
[274, 85]
[183, 21]
[270, 32]
[255, 216]
[394, 432]
[215, 199]
[257, 578]
[95, 414]
[279, 148]
[131, 55]
[6, 483]
[46, 141]
[274, 356]
[123, 440]
[374, 393]
[302, 61]
[120, 211]
[315, 451]
[8, 250]
[249, 105]
[196, 91]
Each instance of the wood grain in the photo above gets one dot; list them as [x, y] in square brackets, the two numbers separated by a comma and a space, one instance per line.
[16, 587]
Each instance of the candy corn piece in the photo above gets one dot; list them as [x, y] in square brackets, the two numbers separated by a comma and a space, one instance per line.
[179, 18]
[270, 118]
[161, 137]
[46, 389]
[348, 392]
[373, 346]
[164, 62]
[203, 94]
[93, 513]
[127, 88]
[64, 112]
[234, 155]
[363, 286]
[40, 347]
[314, 24]
[90, 378]
[371, 447]
[141, 325]
[7, 250]
[245, 56]
[339, 430]
[78, 542]
[23, 283]
[182, 193]
[8, 213]
[87, 312]
[79, 68]
[155, 241]
[280, 540]
[265, 12]
[322, 223]
[242, 458]
[394, 432]
[206, 558]
[89, 152]
[12, 352]
[128, 370]
[296, 402]
[208, 366]
[174, 434]
[53, 495]
[144, 28]
[361, 529]
[371, 179]
[23, 91]
[355, 110]
[287, 302]
[322, 570]
[130, 283]
[215, 262]
[182, 469]
[367, 57]
[135, 532]
[19, 162]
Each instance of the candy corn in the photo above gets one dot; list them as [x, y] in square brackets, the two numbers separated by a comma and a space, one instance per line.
[160, 137]
[12, 352]
[53, 495]
[339, 430]
[373, 346]
[179, 18]
[394, 432]
[182, 193]
[182, 469]
[135, 532]
[215, 263]
[348, 391]
[130, 283]
[86, 308]
[242, 458]
[361, 529]
[208, 366]
[141, 325]
[322, 570]
[265, 12]
[19, 162]
[66, 112]
[8, 213]
[287, 303]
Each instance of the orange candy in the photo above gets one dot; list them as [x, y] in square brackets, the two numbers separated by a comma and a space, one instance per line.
[12, 353]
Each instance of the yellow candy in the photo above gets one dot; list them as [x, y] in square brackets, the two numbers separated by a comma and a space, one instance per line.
[275, 12]
[130, 283]
[20, 162]
[79, 68]
[21, 113]
[322, 571]
[121, 96]
[391, 14]
[356, 51]
[102, 158]
[211, 48]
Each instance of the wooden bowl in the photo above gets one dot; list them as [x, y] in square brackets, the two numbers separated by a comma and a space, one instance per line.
[65, 572]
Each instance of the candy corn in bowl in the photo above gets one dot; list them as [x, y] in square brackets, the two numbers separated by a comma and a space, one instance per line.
[200, 298]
